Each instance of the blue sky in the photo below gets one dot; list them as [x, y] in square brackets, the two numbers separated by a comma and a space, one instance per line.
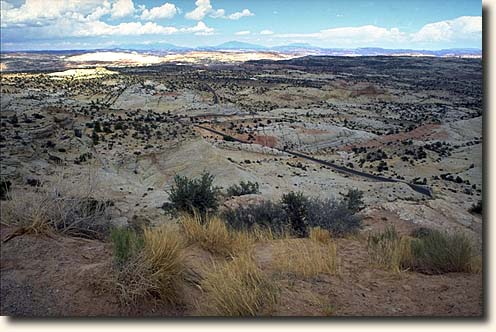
[86, 24]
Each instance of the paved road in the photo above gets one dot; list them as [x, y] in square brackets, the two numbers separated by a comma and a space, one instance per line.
[424, 190]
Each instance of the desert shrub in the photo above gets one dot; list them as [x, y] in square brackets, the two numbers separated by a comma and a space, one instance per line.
[421, 232]
[431, 252]
[244, 188]
[4, 189]
[440, 252]
[194, 195]
[228, 138]
[389, 250]
[214, 236]
[332, 215]
[477, 207]
[156, 272]
[295, 204]
[60, 206]
[125, 244]
[354, 200]
[265, 214]
[238, 288]
[306, 258]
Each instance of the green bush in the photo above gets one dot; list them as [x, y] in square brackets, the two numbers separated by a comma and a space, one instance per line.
[354, 200]
[244, 188]
[194, 195]
[440, 252]
[333, 215]
[477, 208]
[295, 204]
[266, 214]
[125, 243]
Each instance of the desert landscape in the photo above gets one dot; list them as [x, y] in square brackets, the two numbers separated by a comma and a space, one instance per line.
[302, 186]
[243, 159]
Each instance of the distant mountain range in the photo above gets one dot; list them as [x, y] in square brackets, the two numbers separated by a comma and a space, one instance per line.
[299, 48]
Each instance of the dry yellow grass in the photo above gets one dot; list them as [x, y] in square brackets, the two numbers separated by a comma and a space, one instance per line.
[157, 272]
[389, 250]
[320, 235]
[476, 264]
[214, 236]
[238, 288]
[306, 258]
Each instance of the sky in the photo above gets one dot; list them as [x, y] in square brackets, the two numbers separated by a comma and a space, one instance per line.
[92, 24]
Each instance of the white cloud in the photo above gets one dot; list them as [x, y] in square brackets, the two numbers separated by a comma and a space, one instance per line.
[167, 10]
[242, 33]
[464, 27]
[266, 32]
[122, 8]
[449, 32]
[99, 28]
[200, 29]
[204, 8]
[348, 35]
[238, 15]
[38, 13]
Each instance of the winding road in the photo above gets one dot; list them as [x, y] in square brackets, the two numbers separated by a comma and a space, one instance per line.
[424, 190]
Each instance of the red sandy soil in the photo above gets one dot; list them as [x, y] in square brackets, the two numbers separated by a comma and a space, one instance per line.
[61, 276]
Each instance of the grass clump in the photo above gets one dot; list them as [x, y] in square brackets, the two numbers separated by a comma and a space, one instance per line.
[431, 252]
[194, 195]
[214, 236]
[156, 272]
[440, 252]
[244, 188]
[307, 258]
[238, 288]
[389, 250]
[125, 243]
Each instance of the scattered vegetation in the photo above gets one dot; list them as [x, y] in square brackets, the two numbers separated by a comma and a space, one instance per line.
[296, 213]
[244, 188]
[238, 288]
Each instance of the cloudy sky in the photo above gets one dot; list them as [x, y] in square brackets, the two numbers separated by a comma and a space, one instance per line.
[88, 24]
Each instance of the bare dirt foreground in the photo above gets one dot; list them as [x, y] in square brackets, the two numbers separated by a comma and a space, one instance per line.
[62, 276]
